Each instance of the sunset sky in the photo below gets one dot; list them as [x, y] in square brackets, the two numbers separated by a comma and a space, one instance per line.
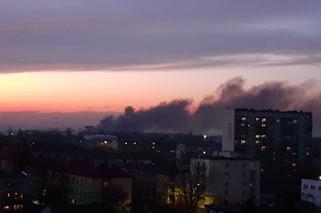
[80, 56]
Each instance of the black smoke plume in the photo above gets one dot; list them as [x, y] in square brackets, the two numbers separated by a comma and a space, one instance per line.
[175, 116]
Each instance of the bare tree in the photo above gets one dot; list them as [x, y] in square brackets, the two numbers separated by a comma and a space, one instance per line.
[189, 190]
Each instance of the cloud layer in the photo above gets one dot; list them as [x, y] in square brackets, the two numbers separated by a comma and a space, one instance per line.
[91, 35]
[175, 116]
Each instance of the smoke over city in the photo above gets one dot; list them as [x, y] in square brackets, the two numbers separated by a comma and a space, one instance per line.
[182, 115]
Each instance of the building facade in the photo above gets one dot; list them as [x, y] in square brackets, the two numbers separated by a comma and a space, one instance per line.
[229, 180]
[273, 134]
[311, 191]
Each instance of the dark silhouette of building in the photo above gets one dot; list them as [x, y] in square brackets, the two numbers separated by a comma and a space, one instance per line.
[280, 140]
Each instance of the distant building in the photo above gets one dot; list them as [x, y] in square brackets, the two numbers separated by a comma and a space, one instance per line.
[107, 142]
[83, 182]
[229, 180]
[12, 191]
[311, 191]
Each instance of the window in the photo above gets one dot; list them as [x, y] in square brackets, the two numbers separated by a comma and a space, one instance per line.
[226, 183]
[312, 187]
[227, 165]
[305, 186]
[319, 188]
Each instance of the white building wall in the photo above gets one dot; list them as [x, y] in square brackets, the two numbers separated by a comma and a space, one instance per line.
[311, 191]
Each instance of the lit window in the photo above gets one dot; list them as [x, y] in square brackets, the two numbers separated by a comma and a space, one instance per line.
[288, 148]
[263, 148]
[257, 119]
[257, 136]
[263, 120]
[263, 125]
[263, 136]
[243, 118]
[257, 141]
[243, 141]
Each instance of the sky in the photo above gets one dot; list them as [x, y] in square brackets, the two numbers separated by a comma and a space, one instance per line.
[70, 63]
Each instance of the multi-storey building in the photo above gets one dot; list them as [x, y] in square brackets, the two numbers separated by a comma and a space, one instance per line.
[82, 182]
[280, 140]
[275, 134]
[229, 180]
[13, 188]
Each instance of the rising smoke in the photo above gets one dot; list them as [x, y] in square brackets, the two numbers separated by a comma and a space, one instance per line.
[175, 116]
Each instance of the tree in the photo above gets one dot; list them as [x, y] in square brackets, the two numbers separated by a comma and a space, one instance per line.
[189, 190]
[114, 199]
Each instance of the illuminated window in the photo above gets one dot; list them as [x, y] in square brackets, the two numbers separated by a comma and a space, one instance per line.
[8, 195]
[257, 136]
[263, 136]
[257, 141]
[17, 207]
[243, 118]
[6, 207]
[288, 148]
[263, 125]
[263, 120]
[243, 141]
[263, 148]
[257, 119]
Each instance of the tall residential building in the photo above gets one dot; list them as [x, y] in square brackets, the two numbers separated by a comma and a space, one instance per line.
[280, 140]
[273, 134]
[229, 180]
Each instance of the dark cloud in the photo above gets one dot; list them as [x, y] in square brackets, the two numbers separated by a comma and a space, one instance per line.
[89, 35]
[207, 118]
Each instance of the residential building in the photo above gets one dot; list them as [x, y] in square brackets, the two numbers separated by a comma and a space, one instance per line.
[229, 180]
[311, 191]
[273, 134]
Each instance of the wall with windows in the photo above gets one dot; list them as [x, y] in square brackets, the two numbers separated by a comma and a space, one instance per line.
[311, 191]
